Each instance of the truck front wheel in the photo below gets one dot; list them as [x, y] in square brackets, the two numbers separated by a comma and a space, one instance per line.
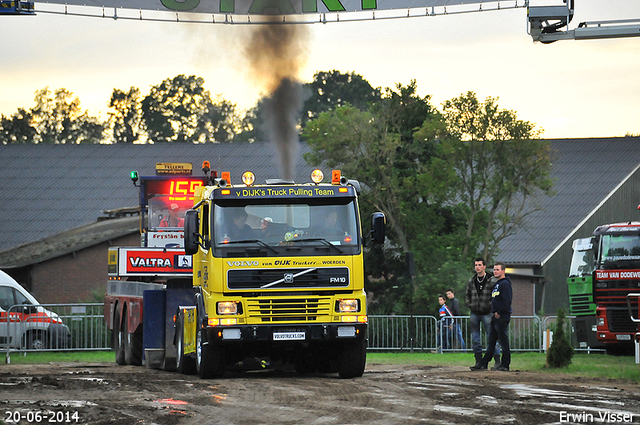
[353, 360]
[209, 360]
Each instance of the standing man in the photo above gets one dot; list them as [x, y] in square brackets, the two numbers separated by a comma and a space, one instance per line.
[501, 298]
[478, 299]
[454, 306]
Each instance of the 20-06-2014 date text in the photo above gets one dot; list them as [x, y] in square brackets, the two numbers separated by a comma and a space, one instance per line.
[41, 416]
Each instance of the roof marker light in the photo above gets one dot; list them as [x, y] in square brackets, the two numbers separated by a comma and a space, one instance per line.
[335, 176]
[317, 176]
[248, 178]
[226, 176]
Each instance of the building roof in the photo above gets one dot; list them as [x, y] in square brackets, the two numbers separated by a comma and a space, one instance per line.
[69, 241]
[586, 172]
[49, 189]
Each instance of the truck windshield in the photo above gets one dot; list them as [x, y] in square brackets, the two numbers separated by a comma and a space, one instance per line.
[166, 213]
[287, 225]
[583, 260]
[620, 251]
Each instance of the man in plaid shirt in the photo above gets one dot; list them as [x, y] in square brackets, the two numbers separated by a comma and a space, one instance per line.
[478, 299]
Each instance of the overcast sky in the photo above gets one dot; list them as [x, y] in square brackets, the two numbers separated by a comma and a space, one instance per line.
[568, 88]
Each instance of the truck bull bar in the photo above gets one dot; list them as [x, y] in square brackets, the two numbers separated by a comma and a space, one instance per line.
[635, 320]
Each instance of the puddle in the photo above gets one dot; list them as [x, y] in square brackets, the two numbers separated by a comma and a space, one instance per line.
[16, 381]
[487, 399]
[528, 391]
[462, 411]
[428, 385]
[69, 403]
[100, 381]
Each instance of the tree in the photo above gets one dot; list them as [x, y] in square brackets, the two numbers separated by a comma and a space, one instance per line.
[560, 352]
[220, 123]
[126, 121]
[250, 126]
[181, 110]
[403, 175]
[333, 89]
[58, 119]
[172, 109]
[373, 147]
[17, 128]
[501, 167]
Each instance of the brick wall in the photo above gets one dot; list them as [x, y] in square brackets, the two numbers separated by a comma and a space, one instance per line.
[75, 277]
[523, 296]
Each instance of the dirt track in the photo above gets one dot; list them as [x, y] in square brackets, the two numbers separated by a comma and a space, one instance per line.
[386, 394]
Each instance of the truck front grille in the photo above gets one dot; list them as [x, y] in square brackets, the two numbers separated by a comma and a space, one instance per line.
[619, 320]
[302, 309]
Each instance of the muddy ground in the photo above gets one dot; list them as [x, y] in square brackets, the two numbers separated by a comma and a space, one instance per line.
[386, 394]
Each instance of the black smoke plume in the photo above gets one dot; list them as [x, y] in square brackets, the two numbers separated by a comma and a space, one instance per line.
[276, 53]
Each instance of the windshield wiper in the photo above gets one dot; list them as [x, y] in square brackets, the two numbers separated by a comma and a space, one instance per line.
[256, 241]
[323, 240]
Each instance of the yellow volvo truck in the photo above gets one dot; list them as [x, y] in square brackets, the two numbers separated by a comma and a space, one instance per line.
[278, 276]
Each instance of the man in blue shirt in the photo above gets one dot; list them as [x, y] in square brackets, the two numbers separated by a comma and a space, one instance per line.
[501, 298]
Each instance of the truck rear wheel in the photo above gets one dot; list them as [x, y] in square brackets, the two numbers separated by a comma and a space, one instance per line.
[353, 360]
[184, 364]
[132, 344]
[118, 338]
[209, 360]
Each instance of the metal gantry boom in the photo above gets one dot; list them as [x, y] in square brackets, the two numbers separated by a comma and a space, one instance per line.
[551, 23]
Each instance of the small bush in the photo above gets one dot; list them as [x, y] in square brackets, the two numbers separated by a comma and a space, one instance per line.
[560, 352]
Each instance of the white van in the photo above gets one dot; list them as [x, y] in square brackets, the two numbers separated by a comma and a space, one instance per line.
[26, 325]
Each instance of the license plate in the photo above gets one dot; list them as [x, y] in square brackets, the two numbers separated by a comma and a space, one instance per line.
[289, 336]
[624, 337]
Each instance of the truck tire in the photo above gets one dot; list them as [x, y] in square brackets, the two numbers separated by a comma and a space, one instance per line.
[118, 338]
[209, 360]
[353, 360]
[132, 344]
[185, 364]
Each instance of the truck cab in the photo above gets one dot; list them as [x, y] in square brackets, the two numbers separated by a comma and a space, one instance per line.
[278, 274]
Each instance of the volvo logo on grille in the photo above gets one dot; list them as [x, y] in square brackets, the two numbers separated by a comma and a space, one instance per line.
[288, 278]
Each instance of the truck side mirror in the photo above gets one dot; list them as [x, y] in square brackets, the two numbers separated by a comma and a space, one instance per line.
[378, 227]
[191, 236]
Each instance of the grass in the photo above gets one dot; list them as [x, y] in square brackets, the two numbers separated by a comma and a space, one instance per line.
[583, 365]
[61, 356]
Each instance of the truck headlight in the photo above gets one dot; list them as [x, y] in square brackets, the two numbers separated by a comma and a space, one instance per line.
[229, 308]
[600, 321]
[348, 306]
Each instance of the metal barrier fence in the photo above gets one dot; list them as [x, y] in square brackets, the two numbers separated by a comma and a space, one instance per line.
[426, 333]
[58, 327]
[81, 327]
